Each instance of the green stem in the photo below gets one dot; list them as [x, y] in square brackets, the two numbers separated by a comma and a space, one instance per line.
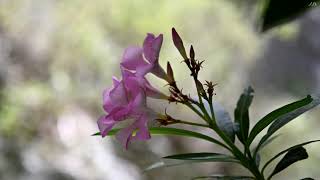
[211, 109]
[247, 163]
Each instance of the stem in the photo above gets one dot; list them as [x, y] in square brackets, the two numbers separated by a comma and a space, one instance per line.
[212, 111]
[247, 152]
[206, 115]
[213, 117]
[247, 163]
[200, 104]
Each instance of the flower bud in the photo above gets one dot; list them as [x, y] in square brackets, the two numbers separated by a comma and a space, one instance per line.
[192, 54]
[178, 43]
[200, 87]
[170, 73]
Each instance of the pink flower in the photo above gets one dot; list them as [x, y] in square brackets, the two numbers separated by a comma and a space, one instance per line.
[126, 100]
[143, 83]
[146, 59]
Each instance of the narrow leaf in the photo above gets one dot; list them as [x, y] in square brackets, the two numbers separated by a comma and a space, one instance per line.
[241, 113]
[294, 155]
[222, 177]
[181, 159]
[292, 115]
[224, 121]
[286, 150]
[282, 120]
[203, 156]
[176, 132]
[276, 114]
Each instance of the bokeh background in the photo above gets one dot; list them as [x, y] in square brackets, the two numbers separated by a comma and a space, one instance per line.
[56, 58]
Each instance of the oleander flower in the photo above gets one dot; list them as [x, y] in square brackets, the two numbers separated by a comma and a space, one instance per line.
[126, 100]
[143, 60]
[143, 83]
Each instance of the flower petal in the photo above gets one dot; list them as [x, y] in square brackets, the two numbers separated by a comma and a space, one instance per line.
[105, 125]
[143, 131]
[132, 58]
[151, 47]
[124, 136]
[140, 101]
[114, 97]
[153, 92]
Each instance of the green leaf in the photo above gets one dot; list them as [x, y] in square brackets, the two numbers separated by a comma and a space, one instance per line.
[110, 133]
[277, 12]
[292, 115]
[286, 150]
[203, 156]
[293, 155]
[224, 121]
[289, 116]
[241, 113]
[222, 177]
[282, 112]
[180, 159]
[176, 132]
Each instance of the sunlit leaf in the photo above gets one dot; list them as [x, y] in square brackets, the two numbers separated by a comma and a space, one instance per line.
[241, 113]
[176, 132]
[292, 156]
[282, 120]
[224, 121]
[282, 113]
[290, 116]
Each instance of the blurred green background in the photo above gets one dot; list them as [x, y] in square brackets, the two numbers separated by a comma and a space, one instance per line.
[57, 57]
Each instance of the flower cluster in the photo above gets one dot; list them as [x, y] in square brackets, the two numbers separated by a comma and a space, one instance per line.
[127, 98]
